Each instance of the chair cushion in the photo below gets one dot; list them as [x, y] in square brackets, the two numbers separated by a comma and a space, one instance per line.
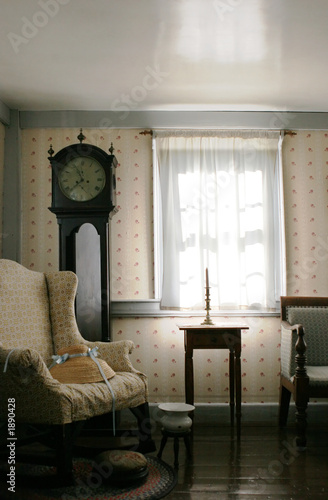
[318, 376]
[315, 324]
[88, 400]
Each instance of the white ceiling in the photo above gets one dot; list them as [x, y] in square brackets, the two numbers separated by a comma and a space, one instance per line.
[164, 55]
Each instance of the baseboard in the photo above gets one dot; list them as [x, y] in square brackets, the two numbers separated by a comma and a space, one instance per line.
[259, 414]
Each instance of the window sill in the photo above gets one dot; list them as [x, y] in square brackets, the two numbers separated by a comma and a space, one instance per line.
[151, 308]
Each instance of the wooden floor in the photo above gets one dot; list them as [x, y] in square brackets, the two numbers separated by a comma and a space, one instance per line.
[264, 465]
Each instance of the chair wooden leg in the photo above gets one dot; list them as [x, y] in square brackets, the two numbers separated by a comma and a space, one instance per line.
[64, 454]
[284, 400]
[301, 424]
[146, 443]
[301, 402]
[301, 382]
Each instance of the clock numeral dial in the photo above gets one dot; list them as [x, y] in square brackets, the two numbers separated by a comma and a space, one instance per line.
[82, 179]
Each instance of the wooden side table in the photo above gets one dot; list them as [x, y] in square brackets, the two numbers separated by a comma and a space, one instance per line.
[218, 336]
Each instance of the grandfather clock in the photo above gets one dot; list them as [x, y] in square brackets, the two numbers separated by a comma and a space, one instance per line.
[83, 192]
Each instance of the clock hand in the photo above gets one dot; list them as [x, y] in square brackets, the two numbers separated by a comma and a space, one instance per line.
[82, 167]
[80, 172]
[85, 190]
[78, 184]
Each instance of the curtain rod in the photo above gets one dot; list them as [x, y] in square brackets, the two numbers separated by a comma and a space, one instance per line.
[286, 132]
[290, 132]
[146, 132]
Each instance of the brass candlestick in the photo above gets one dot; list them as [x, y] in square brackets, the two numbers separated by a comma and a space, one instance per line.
[207, 320]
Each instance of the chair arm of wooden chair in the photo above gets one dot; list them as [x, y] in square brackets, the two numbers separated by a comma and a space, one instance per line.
[290, 337]
[287, 326]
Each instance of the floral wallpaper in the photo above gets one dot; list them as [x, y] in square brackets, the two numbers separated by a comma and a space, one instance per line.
[161, 356]
[131, 227]
[2, 153]
[159, 343]
[305, 160]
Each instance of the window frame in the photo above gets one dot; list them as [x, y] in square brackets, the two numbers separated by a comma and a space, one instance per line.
[152, 307]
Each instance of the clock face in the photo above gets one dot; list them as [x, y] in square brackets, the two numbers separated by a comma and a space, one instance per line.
[82, 179]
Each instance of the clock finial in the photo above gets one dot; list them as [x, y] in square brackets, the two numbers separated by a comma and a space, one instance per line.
[111, 149]
[81, 137]
[50, 151]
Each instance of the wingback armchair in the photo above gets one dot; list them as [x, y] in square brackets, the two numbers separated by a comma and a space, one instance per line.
[304, 357]
[37, 318]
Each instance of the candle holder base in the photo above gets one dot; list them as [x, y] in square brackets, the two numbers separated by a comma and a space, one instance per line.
[207, 321]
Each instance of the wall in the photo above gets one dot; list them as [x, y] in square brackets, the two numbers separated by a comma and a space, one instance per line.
[306, 212]
[159, 343]
[131, 227]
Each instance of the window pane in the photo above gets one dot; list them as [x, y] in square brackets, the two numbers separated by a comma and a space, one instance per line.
[219, 198]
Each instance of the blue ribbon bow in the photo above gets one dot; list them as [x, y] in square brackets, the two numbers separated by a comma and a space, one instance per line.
[58, 360]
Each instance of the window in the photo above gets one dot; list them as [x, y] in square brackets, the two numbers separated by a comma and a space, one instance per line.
[220, 207]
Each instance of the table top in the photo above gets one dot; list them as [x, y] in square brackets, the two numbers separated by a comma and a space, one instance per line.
[216, 326]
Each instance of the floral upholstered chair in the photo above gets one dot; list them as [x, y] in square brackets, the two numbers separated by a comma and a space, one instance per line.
[304, 357]
[37, 318]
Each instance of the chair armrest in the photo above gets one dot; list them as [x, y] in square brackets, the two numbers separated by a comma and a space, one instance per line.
[116, 354]
[289, 338]
[288, 326]
[22, 364]
[27, 380]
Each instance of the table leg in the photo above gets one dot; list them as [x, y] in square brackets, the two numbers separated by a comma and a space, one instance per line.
[232, 385]
[238, 391]
[189, 375]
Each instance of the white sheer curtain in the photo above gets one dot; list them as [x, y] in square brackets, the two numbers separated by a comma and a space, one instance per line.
[220, 210]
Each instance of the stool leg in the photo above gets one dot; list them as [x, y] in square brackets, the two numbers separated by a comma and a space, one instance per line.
[187, 443]
[176, 452]
[163, 443]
